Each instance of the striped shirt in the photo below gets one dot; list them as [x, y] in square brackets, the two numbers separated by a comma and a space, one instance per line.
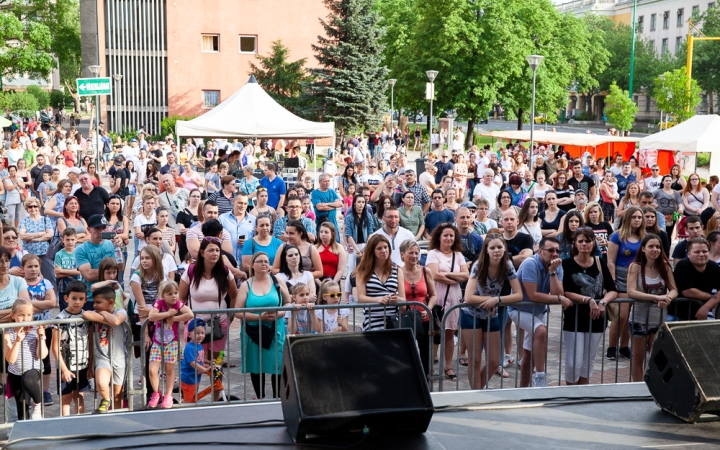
[27, 357]
[375, 315]
[224, 204]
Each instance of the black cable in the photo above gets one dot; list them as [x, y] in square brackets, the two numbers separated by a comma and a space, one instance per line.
[540, 402]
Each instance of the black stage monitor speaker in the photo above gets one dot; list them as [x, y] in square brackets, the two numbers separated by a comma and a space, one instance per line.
[683, 371]
[344, 385]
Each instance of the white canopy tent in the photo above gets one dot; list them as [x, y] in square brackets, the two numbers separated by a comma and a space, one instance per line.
[252, 113]
[699, 134]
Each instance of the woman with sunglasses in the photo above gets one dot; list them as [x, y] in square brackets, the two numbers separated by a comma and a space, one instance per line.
[11, 242]
[493, 282]
[449, 269]
[36, 230]
[72, 219]
[419, 287]
[260, 291]
[587, 281]
[565, 193]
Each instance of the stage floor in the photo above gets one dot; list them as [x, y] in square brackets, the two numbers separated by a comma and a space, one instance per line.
[508, 425]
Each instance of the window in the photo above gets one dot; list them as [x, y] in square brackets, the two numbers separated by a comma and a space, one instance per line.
[653, 20]
[664, 49]
[711, 5]
[640, 24]
[652, 44]
[211, 99]
[680, 17]
[666, 20]
[678, 43]
[647, 103]
[248, 44]
[210, 43]
[695, 11]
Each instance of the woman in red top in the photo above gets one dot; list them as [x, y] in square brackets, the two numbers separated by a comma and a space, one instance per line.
[419, 287]
[332, 255]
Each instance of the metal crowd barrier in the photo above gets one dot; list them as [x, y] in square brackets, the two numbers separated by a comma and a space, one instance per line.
[10, 414]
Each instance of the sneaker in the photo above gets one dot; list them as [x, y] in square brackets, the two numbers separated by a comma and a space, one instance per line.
[154, 399]
[507, 360]
[611, 353]
[47, 398]
[104, 406]
[539, 380]
[624, 352]
[36, 412]
[167, 402]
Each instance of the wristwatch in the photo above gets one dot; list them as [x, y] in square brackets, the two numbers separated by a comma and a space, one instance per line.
[553, 274]
[602, 302]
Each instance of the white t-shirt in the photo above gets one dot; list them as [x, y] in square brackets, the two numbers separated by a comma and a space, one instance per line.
[358, 155]
[652, 184]
[141, 220]
[400, 236]
[533, 231]
[168, 263]
[371, 180]
[489, 193]
[482, 164]
[330, 317]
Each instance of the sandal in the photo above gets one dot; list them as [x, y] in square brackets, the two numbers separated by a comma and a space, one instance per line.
[450, 376]
[463, 361]
[225, 364]
[500, 371]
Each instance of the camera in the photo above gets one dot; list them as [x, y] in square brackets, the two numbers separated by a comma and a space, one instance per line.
[108, 235]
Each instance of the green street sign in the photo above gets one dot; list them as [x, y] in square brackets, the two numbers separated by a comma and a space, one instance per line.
[94, 86]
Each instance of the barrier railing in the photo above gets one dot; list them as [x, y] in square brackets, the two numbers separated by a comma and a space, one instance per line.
[74, 357]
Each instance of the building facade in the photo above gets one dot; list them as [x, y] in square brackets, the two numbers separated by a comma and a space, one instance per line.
[184, 57]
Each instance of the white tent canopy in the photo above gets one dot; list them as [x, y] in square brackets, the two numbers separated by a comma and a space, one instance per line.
[252, 113]
[697, 134]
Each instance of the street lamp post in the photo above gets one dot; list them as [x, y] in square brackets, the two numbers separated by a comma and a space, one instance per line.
[118, 113]
[534, 61]
[431, 74]
[95, 70]
[392, 82]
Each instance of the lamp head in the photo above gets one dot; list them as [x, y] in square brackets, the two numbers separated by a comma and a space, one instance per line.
[431, 74]
[534, 61]
[95, 70]
[392, 82]
[117, 77]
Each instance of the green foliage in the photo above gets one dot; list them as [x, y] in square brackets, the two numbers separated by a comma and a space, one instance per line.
[24, 47]
[672, 95]
[703, 159]
[279, 77]
[19, 102]
[167, 125]
[618, 42]
[349, 87]
[620, 109]
[60, 100]
[706, 63]
[43, 98]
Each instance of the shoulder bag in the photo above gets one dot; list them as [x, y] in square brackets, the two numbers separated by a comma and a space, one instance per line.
[612, 310]
[254, 331]
[411, 318]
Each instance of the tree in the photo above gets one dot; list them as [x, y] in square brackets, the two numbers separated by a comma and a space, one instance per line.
[24, 47]
[42, 97]
[706, 63]
[280, 78]
[19, 102]
[672, 95]
[349, 87]
[620, 109]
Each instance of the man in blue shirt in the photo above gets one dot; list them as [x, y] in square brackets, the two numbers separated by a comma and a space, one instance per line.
[89, 254]
[274, 185]
[239, 224]
[445, 167]
[438, 214]
[326, 203]
[624, 178]
[294, 205]
[541, 278]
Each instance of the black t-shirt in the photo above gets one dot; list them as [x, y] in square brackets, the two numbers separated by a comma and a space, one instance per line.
[588, 283]
[36, 175]
[519, 243]
[121, 176]
[585, 184]
[688, 277]
[186, 218]
[158, 154]
[680, 251]
[602, 230]
[92, 203]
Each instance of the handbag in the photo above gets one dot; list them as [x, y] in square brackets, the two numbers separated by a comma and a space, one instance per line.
[439, 311]
[23, 194]
[411, 318]
[612, 310]
[267, 332]
[55, 245]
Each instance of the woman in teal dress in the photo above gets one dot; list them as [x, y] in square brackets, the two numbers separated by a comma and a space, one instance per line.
[260, 292]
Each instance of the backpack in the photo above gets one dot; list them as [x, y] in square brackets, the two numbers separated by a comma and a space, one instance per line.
[107, 148]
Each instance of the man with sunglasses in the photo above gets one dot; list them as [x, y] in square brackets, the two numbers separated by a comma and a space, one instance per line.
[541, 277]
[653, 182]
[445, 167]
[89, 254]
[372, 179]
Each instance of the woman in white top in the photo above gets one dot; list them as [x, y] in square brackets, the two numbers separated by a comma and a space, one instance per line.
[292, 271]
[538, 191]
[528, 219]
[146, 217]
[695, 198]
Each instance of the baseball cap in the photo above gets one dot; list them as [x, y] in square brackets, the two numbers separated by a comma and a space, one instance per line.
[469, 205]
[194, 323]
[97, 221]
[133, 140]
[119, 159]
[74, 170]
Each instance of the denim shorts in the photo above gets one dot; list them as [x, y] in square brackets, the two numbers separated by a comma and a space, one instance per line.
[466, 322]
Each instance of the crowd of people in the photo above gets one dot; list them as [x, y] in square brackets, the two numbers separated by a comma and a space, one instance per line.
[214, 225]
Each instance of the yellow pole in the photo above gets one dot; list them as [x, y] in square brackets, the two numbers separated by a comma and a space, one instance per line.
[688, 67]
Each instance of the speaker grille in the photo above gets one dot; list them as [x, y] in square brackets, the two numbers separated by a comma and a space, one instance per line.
[376, 373]
[699, 346]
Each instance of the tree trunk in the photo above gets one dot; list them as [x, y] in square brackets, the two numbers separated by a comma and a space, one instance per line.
[470, 136]
[712, 103]
[520, 120]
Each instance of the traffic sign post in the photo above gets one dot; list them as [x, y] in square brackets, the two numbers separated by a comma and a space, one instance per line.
[94, 86]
